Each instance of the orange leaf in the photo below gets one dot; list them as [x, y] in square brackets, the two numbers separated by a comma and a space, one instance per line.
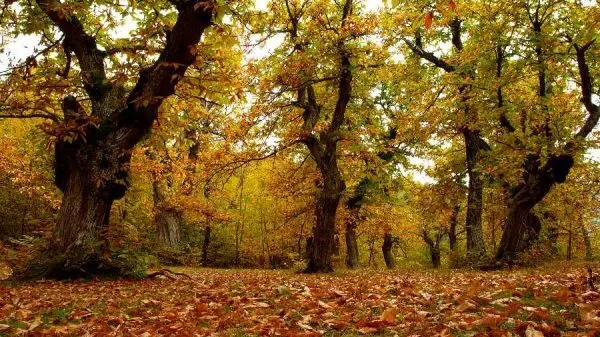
[428, 20]
[452, 5]
[389, 315]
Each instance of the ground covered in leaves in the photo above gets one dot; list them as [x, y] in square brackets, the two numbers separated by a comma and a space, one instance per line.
[534, 302]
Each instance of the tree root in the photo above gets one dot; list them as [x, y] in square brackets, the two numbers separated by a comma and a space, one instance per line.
[168, 274]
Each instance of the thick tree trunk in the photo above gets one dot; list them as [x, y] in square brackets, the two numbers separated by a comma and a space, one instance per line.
[205, 245]
[328, 200]
[90, 179]
[167, 219]
[475, 242]
[386, 248]
[351, 244]
[168, 223]
[522, 226]
[92, 167]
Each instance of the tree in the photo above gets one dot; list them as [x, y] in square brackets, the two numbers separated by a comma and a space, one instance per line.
[92, 167]
[541, 173]
[317, 64]
[467, 124]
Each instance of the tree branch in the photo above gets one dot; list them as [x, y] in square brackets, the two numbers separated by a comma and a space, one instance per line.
[158, 81]
[587, 86]
[91, 59]
[429, 56]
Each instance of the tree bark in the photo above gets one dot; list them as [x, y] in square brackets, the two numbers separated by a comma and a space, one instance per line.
[328, 199]
[452, 229]
[474, 144]
[475, 243]
[386, 248]
[92, 170]
[323, 148]
[436, 260]
[434, 247]
[589, 250]
[351, 245]
[205, 245]
[168, 220]
[537, 179]
[521, 225]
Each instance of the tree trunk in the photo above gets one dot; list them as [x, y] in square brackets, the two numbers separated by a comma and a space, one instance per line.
[328, 200]
[435, 256]
[83, 219]
[168, 223]
[475, 243]
[167, 219]
[372, 252]
[521, 225]
[589, 251]
[452, 229]
[570, 245]
[92, 167]
[351, 244]
[205, 245]
[82, 225]
[388, 254]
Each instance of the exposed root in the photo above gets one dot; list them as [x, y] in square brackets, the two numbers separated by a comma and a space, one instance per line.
[168, 274]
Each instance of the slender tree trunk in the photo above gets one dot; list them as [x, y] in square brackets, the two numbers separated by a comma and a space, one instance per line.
[436, 260]
[351, 244]
[372, 252]
[589, 251]
[206, 244]
[570, 245]
[388, 254]
[452, 229]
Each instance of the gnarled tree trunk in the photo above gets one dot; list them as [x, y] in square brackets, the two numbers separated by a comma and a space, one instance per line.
[521, 225]
[328, 199]
[323, 148]
[92, 169]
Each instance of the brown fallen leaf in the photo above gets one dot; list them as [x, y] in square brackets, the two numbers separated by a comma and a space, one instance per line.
[532, 332]
[389, 316]
[466, 305]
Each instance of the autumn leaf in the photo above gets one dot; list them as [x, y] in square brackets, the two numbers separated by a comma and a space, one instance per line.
[452, 5]
[428, 19]
[389, 316]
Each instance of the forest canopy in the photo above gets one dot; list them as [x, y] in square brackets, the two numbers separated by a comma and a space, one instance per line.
[303, 134]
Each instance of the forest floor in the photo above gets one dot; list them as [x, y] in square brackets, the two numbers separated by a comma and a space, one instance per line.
[547, 301]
